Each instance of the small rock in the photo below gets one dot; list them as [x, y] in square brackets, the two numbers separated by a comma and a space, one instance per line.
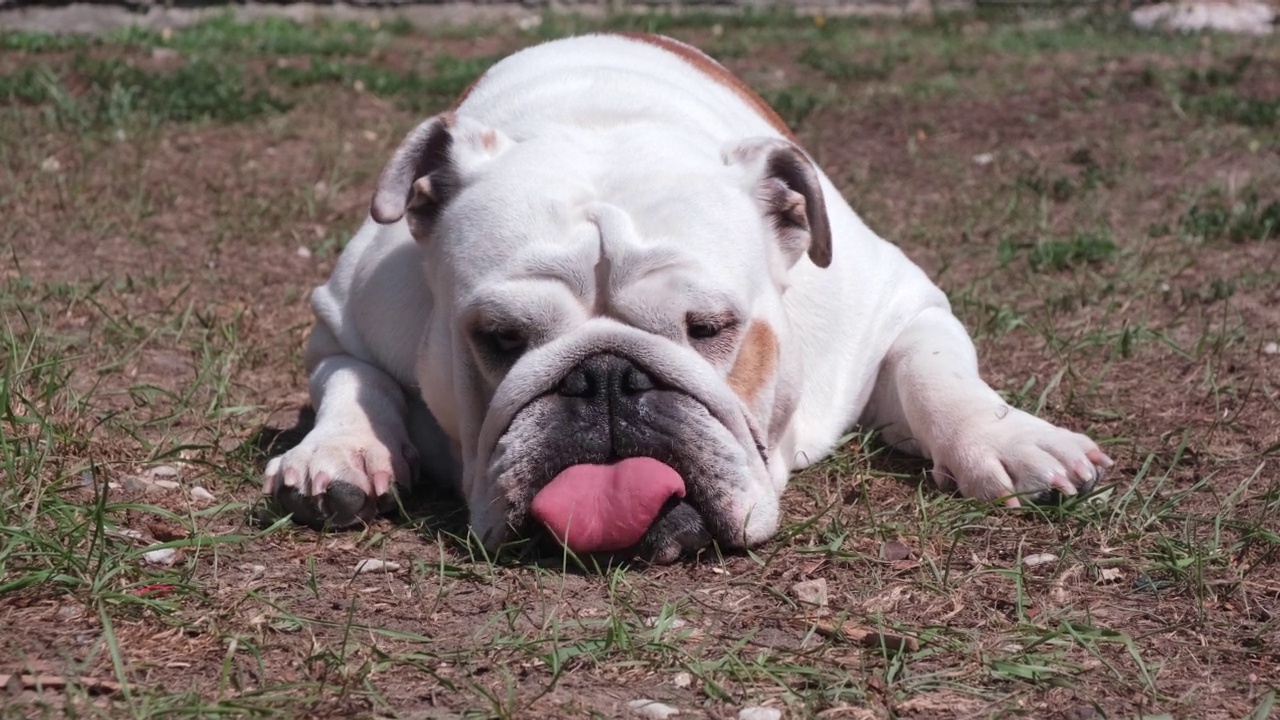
[759, 712]
[895, 551]
[1107, 575]
[304, 252]
[165, 472]
[811, 592]
[1247, 17]
[984, 158]
[1039, 559]
[370, 565]
[70, 612]
[199, 494]
[652, 709]
[1081, 712]
[682, 680]
[1270, 348]
[51, 165]
[162, 556]
[133, 483]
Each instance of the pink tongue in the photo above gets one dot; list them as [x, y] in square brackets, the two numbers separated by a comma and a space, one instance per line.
[603, 508]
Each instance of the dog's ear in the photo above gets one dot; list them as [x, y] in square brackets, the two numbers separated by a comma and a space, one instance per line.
[787, 187]
[428, 167]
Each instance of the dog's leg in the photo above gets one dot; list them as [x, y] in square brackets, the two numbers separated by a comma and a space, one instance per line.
[929, 399]
[347, 468]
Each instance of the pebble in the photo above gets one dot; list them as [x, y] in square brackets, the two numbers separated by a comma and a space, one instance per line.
[304, 252]
[51, 165]
[811, 592]
[163, 556]
[759, 712]
[983, 158]
[895, 551]
[1109, 574]
[133, 483]
[163, 472]
[70, 612]
[645, 707]
[1038, 559]
[682, 680]
[370, 565]
[199, 494]
[1271, 349]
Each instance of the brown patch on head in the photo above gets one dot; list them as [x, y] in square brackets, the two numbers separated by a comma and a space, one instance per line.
[718, 73]
[466, 92]
[756, 364]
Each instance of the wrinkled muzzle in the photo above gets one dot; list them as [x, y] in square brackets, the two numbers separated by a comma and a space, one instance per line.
[612, 441]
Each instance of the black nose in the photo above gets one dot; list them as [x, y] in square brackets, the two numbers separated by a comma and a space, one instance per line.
[605, 376]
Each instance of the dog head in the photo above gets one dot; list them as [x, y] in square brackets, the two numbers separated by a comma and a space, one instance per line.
[606, 339]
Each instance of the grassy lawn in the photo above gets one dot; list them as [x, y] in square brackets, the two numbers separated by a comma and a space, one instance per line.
[1103, 208]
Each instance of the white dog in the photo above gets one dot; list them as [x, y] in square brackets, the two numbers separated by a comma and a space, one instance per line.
[607, 296]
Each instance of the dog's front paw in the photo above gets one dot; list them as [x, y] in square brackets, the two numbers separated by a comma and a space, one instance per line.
[339, 479]
[1012, 454]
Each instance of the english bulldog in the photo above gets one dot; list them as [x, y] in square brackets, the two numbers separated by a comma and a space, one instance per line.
[610, 299]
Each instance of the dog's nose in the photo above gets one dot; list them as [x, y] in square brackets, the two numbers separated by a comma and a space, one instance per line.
[605, 375]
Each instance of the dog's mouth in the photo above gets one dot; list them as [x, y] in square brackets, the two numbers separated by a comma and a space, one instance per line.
[636, 507]
[653, 487]
[678, 531]
[622, 453]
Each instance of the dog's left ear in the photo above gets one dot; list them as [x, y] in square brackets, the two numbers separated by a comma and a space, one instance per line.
[429, 167]
[787, 187]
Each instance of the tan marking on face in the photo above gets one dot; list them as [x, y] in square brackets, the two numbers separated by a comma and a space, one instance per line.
[756, 364]
[718, 73]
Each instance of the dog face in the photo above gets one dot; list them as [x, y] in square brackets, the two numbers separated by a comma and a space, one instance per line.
[605, 340]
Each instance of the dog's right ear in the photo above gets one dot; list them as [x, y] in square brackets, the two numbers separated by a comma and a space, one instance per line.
[428, 167]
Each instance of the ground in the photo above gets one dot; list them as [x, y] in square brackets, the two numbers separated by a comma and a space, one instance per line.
[1103, 208]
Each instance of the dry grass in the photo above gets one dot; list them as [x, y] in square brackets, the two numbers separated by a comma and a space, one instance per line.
[1102, 207]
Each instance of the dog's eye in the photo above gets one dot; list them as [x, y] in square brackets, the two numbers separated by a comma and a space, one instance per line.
[703, 330]
[503, 343]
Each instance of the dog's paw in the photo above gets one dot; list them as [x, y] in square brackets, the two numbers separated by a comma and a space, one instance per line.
[1013, 456]
[340, 479]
